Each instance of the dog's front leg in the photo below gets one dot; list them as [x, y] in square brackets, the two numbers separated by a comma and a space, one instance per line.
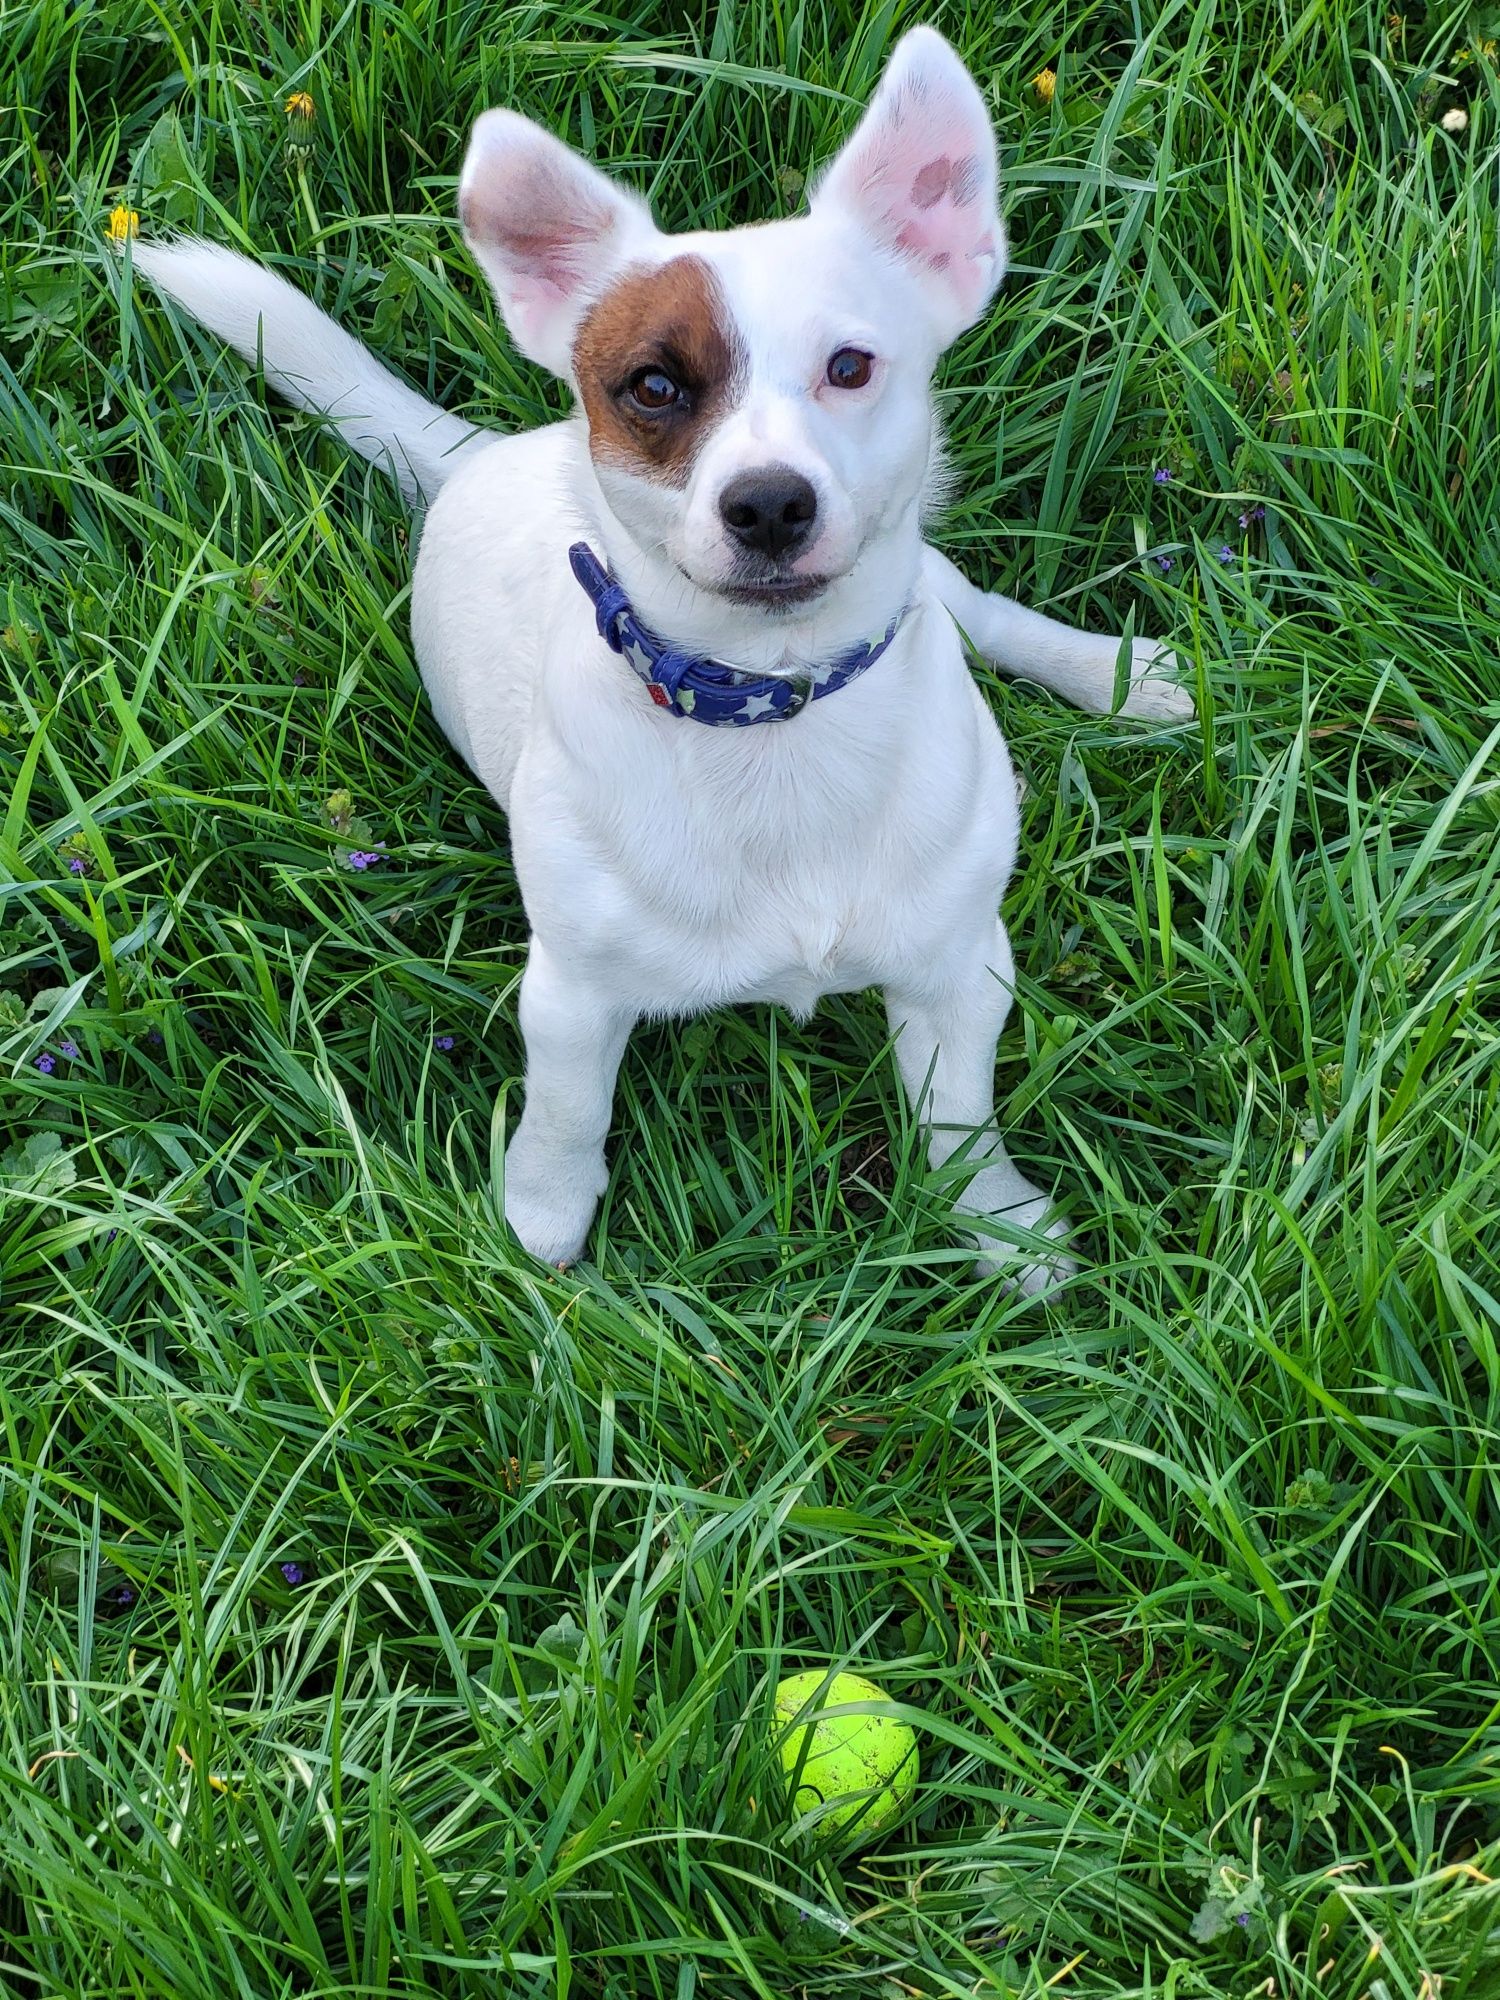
[575, 1034]
[1080, 666]
[945, 1032]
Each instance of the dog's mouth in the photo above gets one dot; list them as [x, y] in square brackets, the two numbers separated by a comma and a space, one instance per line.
[768, 587]
[774, 592]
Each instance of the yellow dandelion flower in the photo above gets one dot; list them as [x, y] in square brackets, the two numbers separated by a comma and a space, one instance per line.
[301, 107]
[1044, 83]
[123, 224]
[1489, 49]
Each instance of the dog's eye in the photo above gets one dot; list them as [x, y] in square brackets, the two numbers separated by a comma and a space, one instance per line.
[653, 389]
[850, 368]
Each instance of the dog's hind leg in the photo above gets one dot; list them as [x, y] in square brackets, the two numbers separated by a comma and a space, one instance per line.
[1079, 666]
[945, 1029]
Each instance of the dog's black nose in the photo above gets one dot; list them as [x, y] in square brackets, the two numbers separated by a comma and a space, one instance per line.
[770, 511]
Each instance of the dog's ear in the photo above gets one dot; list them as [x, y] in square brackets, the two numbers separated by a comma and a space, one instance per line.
[919, 176]
[548, 230]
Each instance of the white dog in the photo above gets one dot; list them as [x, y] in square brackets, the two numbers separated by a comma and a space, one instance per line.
[692, 639]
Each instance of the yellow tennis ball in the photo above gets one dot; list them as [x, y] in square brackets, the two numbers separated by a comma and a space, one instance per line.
[861, 1767]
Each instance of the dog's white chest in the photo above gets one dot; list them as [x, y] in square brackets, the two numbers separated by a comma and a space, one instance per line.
[818, 961]
[818, 944]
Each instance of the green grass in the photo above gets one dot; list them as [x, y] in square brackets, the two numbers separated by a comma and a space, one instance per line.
[1191, 1582]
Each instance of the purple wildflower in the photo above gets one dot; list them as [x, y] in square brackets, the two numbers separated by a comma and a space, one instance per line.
[293, 1572]
[1163, 563]
[366, 857]
[299, 680]
[1243, 1920]
[70, 1050]
[1226, 553]
[121, 1597]
[443, 1042]
[1251, 515]
[46, 1064]
[1161, 477]
[78, 866]
[155, 1037]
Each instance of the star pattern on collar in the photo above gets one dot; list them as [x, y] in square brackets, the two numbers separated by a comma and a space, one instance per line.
[706, 690]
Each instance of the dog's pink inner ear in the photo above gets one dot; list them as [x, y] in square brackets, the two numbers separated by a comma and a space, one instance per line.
[539, 227]
[919, 175]
[936, 206]
[548, 229]
[938, 230]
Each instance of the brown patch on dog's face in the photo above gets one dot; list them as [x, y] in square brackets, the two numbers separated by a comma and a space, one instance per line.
[664, 328]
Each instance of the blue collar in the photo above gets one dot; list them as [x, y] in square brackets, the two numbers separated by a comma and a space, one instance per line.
[708, 691]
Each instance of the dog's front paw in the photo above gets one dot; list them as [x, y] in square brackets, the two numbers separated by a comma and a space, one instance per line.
[1156, 692]
[549, 1202]
[1019, 1267]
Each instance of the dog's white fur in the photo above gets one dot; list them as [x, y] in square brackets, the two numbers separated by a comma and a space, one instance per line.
[667, 867]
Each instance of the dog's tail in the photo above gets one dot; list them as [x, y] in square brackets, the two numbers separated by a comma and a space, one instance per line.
[311, 360]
